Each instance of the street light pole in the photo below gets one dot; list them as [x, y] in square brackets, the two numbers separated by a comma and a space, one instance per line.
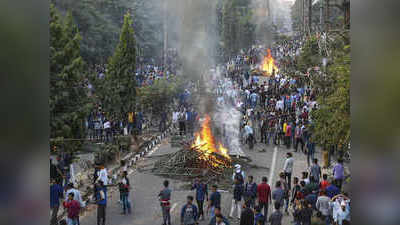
[165, 27]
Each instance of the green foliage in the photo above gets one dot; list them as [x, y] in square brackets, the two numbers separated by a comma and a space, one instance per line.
[237, 30]
[158, 96]
[332, 120]
[99, 23]
[68, 97]
[309, 56]
[119, 89]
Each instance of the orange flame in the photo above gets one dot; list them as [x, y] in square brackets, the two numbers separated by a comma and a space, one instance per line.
[268, 64]
[205, 142]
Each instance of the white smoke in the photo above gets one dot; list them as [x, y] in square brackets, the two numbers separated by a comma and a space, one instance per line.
[227, 116]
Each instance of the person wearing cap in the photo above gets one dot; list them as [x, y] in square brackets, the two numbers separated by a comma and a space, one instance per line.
[238, 174]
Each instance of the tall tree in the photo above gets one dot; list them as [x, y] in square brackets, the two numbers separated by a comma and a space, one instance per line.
[68, 94]
[119, 89]
[237, 29]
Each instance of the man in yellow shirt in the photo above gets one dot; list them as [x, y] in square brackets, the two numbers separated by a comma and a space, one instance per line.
[130, 122]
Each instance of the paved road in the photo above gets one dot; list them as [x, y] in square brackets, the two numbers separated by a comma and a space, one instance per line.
[146, 209]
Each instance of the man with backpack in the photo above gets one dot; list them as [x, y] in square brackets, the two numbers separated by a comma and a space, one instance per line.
[238, 174]
[238, 191]
[189, 213]
[100, 196]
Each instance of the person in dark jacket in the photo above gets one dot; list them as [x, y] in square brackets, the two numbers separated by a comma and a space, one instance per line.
[101, 201]
[201, 194]
[276, 217]
[250, 191]
[306, 213]
[56, 193]
[189, 213]
[213, 220]
[238, 191]
[247, 216]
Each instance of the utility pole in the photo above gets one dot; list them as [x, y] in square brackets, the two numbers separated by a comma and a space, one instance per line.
[321, 15]
[165, 27]
[303, 17]
[327, 15]
[309, 16]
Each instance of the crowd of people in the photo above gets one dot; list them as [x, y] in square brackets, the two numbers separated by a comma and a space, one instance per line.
[274, 111]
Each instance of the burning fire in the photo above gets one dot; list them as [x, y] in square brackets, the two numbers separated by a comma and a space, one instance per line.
[268, 64]
[204, 142]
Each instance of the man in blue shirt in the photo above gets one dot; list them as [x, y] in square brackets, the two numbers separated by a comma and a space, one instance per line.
[189, 213]
[165, 197]
[215, 200]
[332, 190]
[56, 192]
[201, 194]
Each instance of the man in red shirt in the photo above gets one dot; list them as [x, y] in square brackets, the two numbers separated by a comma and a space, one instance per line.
[73, 208]
[324, 183]
[288, 135]
[264, 195]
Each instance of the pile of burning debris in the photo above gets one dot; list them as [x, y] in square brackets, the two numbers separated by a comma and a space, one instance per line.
[201, 157]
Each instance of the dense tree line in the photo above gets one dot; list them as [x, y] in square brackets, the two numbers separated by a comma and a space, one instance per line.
[99, 23]
[236, 29]
[68, 96]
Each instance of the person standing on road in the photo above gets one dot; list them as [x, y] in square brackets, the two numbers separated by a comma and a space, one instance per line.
[288, 135]
[56, 193]
[218, 218]
[278, 194]
[338, 173]
[315, 171]
[250, 191]
[310, 150]
[201, 195]
[103, 175]
[124, 192]
[288, 168]
[73, 208]
[286, 190]
[238, 191]
[77, 196]
[165, 197]
[100, 196]
[264, 195]
[189, 213]
[298, 138]
[324, 183]
[238, 174]
[259, 218]
[296, 189]
[215, 200]
[323, 206]
[247, 216]
[276, 217]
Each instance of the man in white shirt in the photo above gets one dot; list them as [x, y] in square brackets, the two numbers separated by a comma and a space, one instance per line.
[107, 129]
[77, 194]
[288, 168]
[103, 175]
